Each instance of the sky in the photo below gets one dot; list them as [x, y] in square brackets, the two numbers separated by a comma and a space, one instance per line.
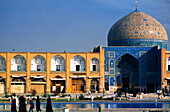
[68, 25]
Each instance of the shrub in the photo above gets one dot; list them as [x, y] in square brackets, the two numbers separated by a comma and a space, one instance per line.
[81, 97]
[33, 92]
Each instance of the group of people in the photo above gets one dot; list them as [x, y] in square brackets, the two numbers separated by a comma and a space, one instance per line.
[21, 102]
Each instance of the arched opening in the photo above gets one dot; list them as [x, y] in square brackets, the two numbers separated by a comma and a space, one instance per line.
[168, 64]
[94, 86]
[57, 85]
[94, 64]
[18, 84]
[2, 85]
[2, 64]
[77, 63]
[38, 84]
[78, 85]
[38, 64]
[127, 72]
[18, 63]
[57, 63]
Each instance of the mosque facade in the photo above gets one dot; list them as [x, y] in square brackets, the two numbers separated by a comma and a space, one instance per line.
[136, 57]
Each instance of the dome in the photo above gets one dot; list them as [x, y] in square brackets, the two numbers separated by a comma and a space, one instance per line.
[137, 29]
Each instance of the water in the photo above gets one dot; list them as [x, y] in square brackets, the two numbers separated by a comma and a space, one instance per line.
[107, 105]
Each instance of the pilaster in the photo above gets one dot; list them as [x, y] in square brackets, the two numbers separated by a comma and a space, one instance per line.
[48, 88]
[163, 66]
[28, 70]
[101, 67]
[8, 67]
[88, 59]
[67, 70]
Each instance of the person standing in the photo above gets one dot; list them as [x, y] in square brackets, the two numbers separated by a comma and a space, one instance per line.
[13, 105]
[22, 105]
[38, 104]
[17, 102]
[163, 92]
[49, 106]
[31, 105]
[25, 103]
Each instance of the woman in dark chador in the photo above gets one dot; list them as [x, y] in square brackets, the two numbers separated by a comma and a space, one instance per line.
[22, 104]
[13, 105]
[49, 106]
[38, 104]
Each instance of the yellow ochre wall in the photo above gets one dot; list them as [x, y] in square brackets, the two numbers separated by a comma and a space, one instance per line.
[164, 73]
[48, 74]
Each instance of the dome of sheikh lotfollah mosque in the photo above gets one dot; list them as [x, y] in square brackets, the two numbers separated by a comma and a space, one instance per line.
[137, 29]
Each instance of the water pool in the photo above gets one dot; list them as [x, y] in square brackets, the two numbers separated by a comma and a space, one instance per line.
[107, 105]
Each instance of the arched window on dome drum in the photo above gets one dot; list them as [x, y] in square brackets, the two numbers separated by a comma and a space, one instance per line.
[94, 64]
[2, 64]
[57, 63]
[18, 63]
[38, 64]
[168, 64]
[77, 63]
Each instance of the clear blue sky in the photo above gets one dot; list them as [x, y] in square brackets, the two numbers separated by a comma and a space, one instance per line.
[68, 25]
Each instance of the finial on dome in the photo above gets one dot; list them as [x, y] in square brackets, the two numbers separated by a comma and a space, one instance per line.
[136, 4]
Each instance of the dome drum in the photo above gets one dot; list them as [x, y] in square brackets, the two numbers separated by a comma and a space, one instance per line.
[139, 42]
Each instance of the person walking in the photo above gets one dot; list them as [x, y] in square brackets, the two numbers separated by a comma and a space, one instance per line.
[31, 105]
[38, 104]
[13, 105]
[49, 106]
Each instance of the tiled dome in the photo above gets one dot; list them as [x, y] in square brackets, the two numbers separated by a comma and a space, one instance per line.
[137, 25]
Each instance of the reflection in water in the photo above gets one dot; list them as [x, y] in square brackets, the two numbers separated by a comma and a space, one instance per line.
[96, 105]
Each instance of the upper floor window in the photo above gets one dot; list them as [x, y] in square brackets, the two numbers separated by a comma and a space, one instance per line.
[94, 64]
[77, 63]
[2, 64]
[18, 63]
[38, 63]
[57, 63]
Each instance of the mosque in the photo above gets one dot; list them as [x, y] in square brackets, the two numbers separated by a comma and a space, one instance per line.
[136, 57]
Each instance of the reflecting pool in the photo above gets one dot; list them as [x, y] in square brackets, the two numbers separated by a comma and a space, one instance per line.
[106, 105]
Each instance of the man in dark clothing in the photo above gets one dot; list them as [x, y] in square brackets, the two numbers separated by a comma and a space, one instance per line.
[13, 105]
[49, 106]
[38, 104]
[163, 92]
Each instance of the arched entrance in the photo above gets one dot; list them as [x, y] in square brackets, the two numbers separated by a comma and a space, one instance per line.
[18, 84]
[57, 85]
[38, 84]
[94, 86]
[78, 85]
[2, 85]
[127, 71]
